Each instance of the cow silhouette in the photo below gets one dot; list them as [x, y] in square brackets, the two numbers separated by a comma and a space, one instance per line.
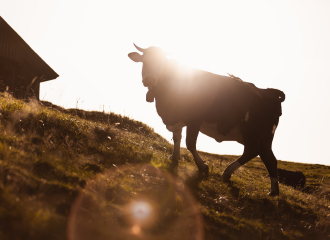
[222, 107]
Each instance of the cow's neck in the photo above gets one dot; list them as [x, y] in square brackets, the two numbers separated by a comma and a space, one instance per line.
[167, 77]
[167, 95]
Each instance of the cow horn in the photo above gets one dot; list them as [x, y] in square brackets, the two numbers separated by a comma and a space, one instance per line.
[138, 48]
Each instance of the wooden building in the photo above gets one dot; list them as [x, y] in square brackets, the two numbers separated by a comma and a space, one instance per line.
[21, 69]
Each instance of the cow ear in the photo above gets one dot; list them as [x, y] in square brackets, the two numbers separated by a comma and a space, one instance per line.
[134, 56]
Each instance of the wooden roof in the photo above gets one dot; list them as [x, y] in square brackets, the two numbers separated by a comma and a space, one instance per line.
[15, 49]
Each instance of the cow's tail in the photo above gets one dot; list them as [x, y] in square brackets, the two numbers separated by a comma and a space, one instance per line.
[275, 94]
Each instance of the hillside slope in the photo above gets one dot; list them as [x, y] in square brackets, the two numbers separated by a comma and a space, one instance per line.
[89, 175]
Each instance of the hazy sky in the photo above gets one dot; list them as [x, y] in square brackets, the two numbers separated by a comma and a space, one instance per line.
[275, 44]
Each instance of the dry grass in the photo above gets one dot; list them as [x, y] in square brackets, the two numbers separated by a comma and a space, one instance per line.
[76, 174]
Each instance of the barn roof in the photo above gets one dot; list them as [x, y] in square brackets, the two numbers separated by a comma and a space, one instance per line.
[13, 47]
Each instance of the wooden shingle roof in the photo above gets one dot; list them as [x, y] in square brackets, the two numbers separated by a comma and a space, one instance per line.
[13, 48]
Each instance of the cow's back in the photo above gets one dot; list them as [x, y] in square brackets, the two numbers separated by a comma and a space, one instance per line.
[187, 95]
[183, 95]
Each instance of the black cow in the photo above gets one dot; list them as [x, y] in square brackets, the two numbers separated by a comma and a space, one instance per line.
[291, 178]
[224, 108]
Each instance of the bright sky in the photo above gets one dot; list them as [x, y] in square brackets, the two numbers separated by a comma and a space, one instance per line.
[275, 44]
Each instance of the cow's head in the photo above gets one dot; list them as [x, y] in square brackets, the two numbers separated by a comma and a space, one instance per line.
[153, 60]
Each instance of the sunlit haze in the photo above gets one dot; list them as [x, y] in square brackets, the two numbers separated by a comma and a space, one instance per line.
[273, 44]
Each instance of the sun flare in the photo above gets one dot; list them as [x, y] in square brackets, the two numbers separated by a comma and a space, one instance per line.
[141, 210]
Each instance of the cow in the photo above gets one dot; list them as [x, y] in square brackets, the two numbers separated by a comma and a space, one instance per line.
[295, 179]
[224, 108]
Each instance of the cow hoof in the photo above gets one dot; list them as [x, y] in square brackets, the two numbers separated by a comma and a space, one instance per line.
[204, 172]
[226, 177]
[274, 193]
[173, 168]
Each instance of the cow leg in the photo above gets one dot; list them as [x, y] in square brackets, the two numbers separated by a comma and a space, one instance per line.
[250, 151]
[177, 141]
[268, 158]
[191, 139]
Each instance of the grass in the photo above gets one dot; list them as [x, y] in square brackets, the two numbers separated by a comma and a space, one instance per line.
[67, 173]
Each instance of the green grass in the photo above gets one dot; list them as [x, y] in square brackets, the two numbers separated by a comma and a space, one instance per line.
[72, 174]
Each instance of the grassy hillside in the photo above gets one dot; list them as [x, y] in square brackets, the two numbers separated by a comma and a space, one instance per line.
[71, 174]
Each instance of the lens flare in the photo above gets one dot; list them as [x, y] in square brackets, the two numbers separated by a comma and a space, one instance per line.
[151, 206]
[136, 229]
[141, 210]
